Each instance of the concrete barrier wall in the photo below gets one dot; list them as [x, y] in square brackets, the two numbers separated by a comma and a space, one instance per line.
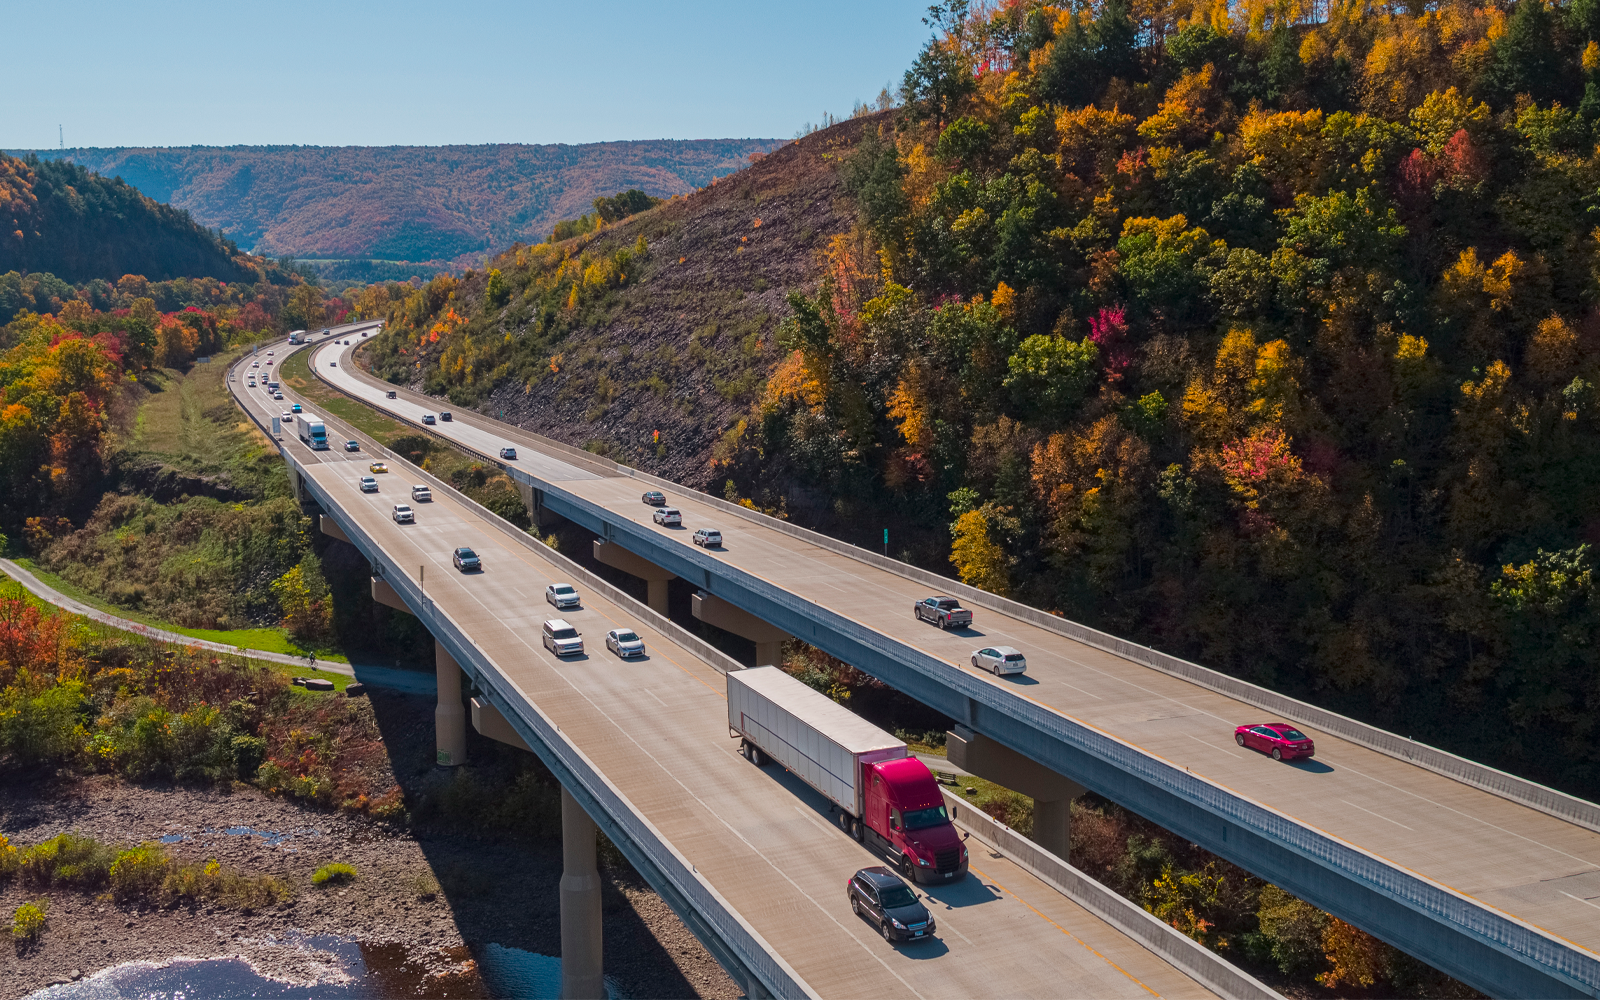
[1201, 964]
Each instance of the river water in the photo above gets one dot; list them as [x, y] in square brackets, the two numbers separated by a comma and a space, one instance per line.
[327, 966]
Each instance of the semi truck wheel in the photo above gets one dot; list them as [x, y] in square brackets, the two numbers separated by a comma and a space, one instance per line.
[844, 821]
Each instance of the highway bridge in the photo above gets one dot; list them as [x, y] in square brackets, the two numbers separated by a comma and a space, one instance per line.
[1491, 878]
[748, 857]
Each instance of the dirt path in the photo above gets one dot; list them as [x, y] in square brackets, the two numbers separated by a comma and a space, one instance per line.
[488, 891]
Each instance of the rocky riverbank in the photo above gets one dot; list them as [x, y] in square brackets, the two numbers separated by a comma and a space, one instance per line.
[421, 906]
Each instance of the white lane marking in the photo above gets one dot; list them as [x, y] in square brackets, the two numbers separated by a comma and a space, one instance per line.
[1203, 743]
[1381, 816]
[1580, 899]
[657, 698]
[1458, 812]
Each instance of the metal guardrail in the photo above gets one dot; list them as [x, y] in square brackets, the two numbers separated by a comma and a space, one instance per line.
[1563, 960]
[1197, 962]
[723, 929]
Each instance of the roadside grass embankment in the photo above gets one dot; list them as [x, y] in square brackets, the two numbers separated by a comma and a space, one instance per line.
[197, 531]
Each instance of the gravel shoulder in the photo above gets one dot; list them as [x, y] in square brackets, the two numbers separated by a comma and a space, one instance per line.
[489, 891]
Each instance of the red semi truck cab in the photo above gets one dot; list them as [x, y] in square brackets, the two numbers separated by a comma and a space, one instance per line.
[904, 813]
[882, 796]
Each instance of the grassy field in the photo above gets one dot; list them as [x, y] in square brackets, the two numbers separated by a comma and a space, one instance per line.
[266, 640]
[12, 589]
[296, 372]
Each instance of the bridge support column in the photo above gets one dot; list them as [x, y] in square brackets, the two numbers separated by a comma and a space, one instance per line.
[769, 639]
[1052, 793]
[449, 717]
[655, 578]
[582, 973]
[384, 594]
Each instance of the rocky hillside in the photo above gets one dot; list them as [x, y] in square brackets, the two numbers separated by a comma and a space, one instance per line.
[663, 322]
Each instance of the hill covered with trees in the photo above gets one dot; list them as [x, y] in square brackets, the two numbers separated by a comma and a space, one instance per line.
[59, 218]
[406, 203]
[1264, 334]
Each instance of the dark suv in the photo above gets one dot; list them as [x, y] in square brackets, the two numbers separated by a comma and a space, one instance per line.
[878, 895]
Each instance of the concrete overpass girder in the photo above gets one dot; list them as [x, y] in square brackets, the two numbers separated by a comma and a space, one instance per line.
[655, 578]
[729, 617]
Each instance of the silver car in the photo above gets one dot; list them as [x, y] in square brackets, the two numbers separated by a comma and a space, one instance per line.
[707, 538]
[403, 515]
[368, 484]
[668, 516]
[999, 660]
[561, 638]
[625, 643]
[562, 595]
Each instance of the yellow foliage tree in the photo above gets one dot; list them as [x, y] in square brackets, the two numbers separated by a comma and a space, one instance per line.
[979, 560]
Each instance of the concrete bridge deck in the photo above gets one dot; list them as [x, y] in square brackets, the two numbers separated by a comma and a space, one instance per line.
[1501, 893]
[656, 730]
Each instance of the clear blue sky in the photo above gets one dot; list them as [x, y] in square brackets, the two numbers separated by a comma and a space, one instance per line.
[133, 73]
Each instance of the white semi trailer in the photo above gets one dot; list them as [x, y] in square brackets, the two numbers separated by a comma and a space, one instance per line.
[311, 430]
[884, 797]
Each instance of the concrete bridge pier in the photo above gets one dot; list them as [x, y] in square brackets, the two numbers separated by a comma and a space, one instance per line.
[582, 973]
[449, 717]
[655, 578]
[769, 639]
[1052, 793]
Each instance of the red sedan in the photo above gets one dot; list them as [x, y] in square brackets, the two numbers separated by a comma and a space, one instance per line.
[1281, 740]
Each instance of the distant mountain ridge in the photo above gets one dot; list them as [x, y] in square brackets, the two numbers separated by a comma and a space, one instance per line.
[408, 203]
[61, 218]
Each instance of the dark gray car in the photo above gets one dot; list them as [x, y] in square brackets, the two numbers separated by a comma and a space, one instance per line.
[880, 896]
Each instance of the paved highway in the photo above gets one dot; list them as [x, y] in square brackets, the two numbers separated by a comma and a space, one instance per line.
[657, 728]
[1504, 856]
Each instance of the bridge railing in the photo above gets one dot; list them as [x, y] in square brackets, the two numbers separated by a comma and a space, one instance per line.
[1508, 786]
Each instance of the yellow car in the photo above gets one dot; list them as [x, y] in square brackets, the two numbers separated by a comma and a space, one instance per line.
[377, 467]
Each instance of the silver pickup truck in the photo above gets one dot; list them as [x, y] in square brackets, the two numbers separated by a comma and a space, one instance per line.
[945, 612]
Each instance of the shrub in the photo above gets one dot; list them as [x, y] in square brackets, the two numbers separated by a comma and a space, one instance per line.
[9, 857]
[27, 923]
[42, 728]
[248, 754]
[67, 859]
[334, 874]
[424, 886]
[139, 872]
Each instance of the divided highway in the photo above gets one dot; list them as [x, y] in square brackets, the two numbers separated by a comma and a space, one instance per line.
[656, 730]
[1495, 891]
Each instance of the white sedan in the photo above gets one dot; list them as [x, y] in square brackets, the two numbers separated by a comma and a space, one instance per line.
[625, 643]
[562, 595]
[999, 660]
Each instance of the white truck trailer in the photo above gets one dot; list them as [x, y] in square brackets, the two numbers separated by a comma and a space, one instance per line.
[311, 431]
[883, 796]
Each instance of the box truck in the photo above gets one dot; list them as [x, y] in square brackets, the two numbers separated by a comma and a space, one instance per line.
[885, 798]
[311, 431]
